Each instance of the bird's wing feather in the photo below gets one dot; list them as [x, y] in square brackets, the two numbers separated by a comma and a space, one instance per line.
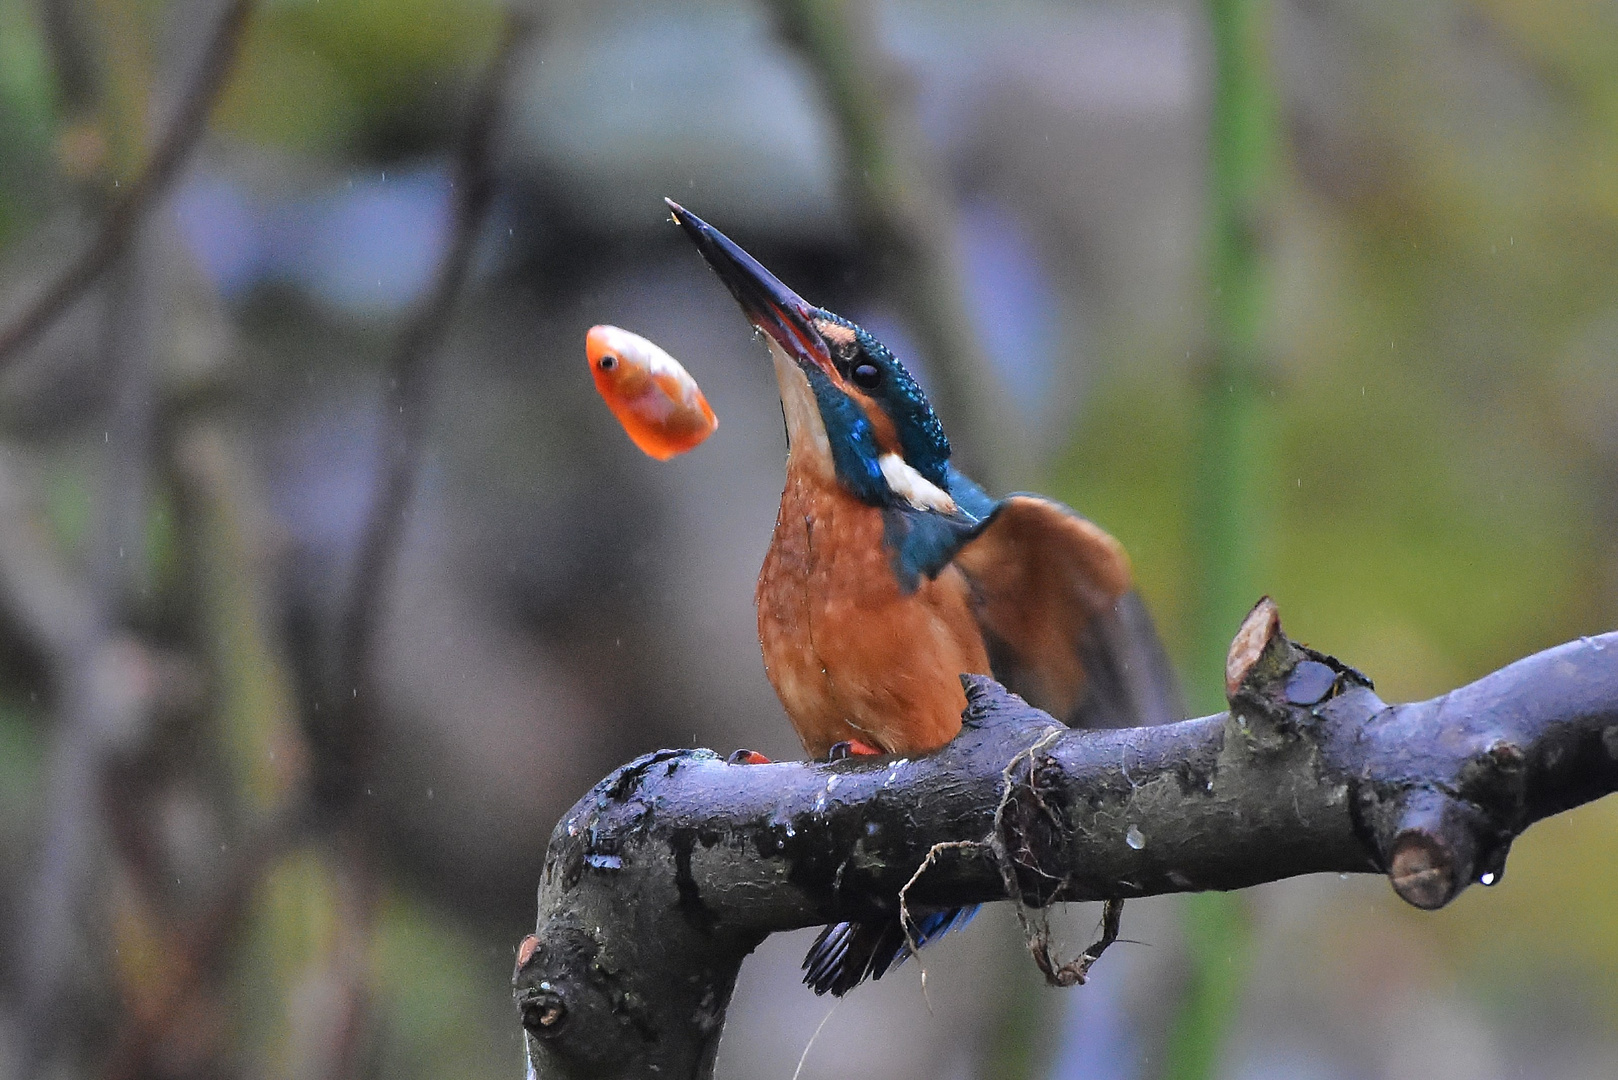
[966, 493]
[1063, 625]
[922, 542]
[848, 953]
[1131, 682]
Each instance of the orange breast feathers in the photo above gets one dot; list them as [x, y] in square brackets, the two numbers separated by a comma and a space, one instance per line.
[849, 653]
[655, 399]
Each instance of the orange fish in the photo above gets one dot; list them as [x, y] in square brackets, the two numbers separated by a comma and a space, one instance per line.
[656, 400]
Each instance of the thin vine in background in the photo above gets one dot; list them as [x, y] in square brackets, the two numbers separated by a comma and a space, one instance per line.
[1234, 453]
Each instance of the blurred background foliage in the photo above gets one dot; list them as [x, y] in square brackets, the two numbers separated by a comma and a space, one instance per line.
[188, 457]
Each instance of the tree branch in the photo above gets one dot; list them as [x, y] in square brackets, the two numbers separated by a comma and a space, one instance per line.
[672, 869]
[190, 121]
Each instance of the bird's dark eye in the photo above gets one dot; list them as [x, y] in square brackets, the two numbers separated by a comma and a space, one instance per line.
[608, 362]
[867, 376]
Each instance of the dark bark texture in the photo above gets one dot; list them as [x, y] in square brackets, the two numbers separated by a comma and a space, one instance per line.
[671, 870]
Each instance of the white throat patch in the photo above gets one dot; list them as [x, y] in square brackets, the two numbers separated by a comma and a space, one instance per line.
[914, 488]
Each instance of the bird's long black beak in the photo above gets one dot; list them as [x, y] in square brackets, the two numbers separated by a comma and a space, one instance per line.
[785, 316]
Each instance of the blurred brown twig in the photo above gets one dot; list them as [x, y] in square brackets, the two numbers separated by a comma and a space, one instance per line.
[190, 121]
[106, 682]
[193, 950]
[75, 74]
[226, 542]
[57, 614]
[343, 739]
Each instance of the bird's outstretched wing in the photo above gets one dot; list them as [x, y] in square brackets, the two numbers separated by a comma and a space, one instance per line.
[1064, 628]
[1062, 622]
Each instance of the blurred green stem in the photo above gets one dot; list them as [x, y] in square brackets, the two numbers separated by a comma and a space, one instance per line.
[1234, 450]
[253, 688]
[1233, 459]
[1217, 941]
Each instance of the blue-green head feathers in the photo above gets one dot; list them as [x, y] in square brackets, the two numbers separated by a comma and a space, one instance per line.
[894, 390]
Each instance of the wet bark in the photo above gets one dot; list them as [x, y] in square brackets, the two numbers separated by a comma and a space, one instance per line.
[671, 870]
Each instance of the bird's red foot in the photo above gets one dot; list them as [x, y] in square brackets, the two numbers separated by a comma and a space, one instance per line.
[850, 748]
[747, 757]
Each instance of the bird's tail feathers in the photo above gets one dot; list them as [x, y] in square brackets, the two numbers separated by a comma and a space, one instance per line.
[848, 953]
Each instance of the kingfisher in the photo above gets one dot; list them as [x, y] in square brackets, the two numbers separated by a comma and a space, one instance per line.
[890, 574]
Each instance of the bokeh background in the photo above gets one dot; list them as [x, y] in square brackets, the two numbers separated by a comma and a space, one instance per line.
[1025, 199]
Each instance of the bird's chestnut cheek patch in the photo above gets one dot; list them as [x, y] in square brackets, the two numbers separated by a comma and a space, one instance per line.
[883, 429]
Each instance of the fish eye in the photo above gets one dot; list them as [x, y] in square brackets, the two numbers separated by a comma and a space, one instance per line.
[608, 362]
[867, 376]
